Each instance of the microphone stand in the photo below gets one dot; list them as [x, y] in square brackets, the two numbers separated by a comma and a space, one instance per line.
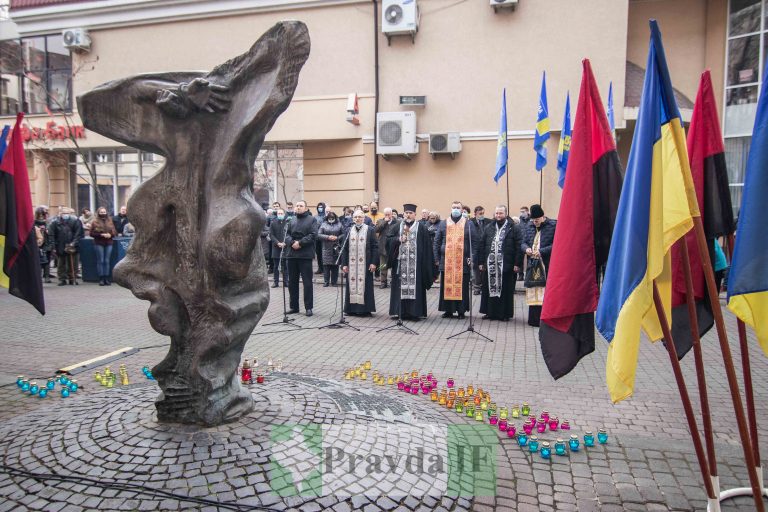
[342, 322]
[286, 319]
[471, 328]
[399, 323]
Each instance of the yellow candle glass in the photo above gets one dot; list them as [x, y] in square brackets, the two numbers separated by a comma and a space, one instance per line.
[390, 380]
[367, 365]
[442, 400]
[478, 416]
[433, 396]
[460, 392]
[470, 390]
[484, 405]
[363, 376]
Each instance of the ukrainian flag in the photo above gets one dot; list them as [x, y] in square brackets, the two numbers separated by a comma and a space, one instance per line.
[564, 149]
[502, 151]
[748, 277]
[656, 208]
[541, 136]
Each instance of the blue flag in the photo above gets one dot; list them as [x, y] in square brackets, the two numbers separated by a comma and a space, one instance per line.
[564, 149]
[748, 277]
[541, 136]
[502, 153]
[609, 112]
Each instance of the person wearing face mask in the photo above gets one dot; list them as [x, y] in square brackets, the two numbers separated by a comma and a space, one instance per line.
[453, 251]
[300, 246]
[500, 258]
[120, 220]
[537, 244]
[412, 259]
[374, 214]
[103, 232]
[276, 240]
[67, 232]
[382, 230]
[359, 263]
[321, 212]
[479, 223]
[330, 235]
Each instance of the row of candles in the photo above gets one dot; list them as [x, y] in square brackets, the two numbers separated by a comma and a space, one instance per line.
[476, 404]
[108, 378]
[249, 371]
[31, 387]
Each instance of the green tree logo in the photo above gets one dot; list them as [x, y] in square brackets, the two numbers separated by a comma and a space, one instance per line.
[296, 461]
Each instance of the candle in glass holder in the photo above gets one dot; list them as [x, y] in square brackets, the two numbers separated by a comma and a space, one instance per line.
[433, 396]
[503, 413]
[452, 395]
[565, 425]
[449, 382]
[533, 444]
[515, 411]
[522, 438]
[19, 381]
[401, 386]
[25, 385]
[279, 366]
[553, 423]
[33, 387]
[414, 390]
[50, 384]
[450, 403]
[526, 410]
[470, 390]
[363, 376]
[478, 415]
[367, 365]
[73, 386]
[64, 392]
[470, 408]
[459, 406]
[425, 389]
[442, 400]
[541, 425]
[528, 427]
[245, 372]
[390, 380]
[430, 376]
[545, 415]
[546, 450]
[477, 400]
[560, 447]
[573, 443]
[259, 378]
[602, 436]
[43, 392]
[414, 373]
[589, 439]
[407, 387]
[65, 380]
[460, 392]
[511, 430]
[492, 406]
[484, 405]
[348, 375]
[503, 425]
[493, 419]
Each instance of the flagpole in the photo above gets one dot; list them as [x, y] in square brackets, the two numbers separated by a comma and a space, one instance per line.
[730, 371]
[684, 397]
[541, 184]
[506, 166]
[699, 360]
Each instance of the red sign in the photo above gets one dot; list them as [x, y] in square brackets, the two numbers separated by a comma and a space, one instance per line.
[52, 132]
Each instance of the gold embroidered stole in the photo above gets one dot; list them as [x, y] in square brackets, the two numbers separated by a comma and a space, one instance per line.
[454, 259]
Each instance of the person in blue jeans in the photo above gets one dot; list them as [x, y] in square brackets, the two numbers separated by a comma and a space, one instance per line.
[103, 232]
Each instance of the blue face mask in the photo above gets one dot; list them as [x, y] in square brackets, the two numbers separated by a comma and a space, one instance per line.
[280, 217]
[455, 212]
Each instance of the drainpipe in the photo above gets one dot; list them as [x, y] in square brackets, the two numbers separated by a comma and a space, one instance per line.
[376, 98]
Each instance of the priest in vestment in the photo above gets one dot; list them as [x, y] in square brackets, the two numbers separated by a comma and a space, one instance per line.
[453, 249]
[412, 260]
[500, 258]
[359, 259]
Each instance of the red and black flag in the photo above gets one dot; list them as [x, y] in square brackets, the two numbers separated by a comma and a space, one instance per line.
[710, 179]
[583, 237]
[20, 255]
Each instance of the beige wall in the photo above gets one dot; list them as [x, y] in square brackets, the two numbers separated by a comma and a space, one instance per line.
[49, 179]
[334, 173]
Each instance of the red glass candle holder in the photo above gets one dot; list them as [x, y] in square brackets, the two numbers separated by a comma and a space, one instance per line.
[449, 383]
[414, 390]
[493, 420]
[503, 425]
[407, 388]
[565, 425]
[246, 375]
[528, 427]
[400, 385]
[545, 415]
[260, 379]
[541, 425]
[553, 423]
[511, 430]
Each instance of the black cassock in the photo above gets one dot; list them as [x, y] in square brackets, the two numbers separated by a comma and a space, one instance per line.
[503, 307]
[369, 256]
[423, 272]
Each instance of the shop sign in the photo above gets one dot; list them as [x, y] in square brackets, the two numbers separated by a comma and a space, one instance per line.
[52, 132]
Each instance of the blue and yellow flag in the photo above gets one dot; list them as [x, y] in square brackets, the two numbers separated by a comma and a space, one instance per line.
[564, 149]
[657, 206]
[748, 277]
[541, 136]
[609, 112]
[502, 152]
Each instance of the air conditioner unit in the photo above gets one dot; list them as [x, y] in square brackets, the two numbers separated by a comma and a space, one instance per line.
[76, 39]
[399, 17]
[446, 142]
[396, 134]
[503, 4]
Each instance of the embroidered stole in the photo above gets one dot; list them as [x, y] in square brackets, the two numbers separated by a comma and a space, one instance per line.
[496, 260]
[407, 261]
[357, 242]
[454, 259]
[535, 296]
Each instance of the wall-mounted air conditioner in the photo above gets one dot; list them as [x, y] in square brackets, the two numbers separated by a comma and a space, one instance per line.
[396, 134]
[445, 142]
[76, 39]
[399, 17]
[503, 4]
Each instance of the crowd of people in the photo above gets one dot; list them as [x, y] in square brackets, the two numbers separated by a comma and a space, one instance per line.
[466, 253]
[58, 241]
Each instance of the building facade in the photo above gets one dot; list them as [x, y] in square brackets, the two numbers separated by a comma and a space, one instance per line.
[450, 74]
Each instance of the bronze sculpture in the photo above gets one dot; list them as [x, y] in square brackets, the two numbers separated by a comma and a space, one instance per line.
[196, 255]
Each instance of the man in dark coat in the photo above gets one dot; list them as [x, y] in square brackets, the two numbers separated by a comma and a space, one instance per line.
[478, 225]
[500, 260]
[361, 253]
[321, 206]
[300, 245]
[411, 256]
[537, 244]
[453, 248]
[384, 228]
[276, 239]
[120, 220]
[67, 231]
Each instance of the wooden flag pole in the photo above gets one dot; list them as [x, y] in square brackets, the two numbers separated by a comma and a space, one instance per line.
[684, 397]
[709, 437]
[730, 371]
[541, 185]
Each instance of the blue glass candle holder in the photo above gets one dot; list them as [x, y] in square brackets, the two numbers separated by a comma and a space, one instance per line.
[560, 447]
[602, 436]
[43, 392]
[533, 444]
[573, 443]
[25, 386]
[50, 384]
[546, 450]
[64, 392]
[64, 380]
[19, 381]
[73, 387]
[589, 439]
[522, 439]
[33, 388]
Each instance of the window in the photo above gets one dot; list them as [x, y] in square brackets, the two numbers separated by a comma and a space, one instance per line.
[747, 45]
[278, 173]
[36, 74]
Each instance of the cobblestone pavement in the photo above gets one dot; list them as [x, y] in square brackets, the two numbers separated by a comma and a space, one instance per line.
[648, 464]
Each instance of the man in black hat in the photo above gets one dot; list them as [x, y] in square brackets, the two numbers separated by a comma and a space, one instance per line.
[412, 262]
[537, 244]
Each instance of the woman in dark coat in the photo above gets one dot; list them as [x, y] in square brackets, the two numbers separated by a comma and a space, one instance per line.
[330, 235]
[103, 232]
[537, 244]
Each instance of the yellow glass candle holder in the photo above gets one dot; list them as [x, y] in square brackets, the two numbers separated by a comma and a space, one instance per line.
[484, 405]
[515, 411]
[363, 376]
[449, 404]
[414, 374]
[390, 380]
[470, 390]
[433, 396]
[442, 400]
[503, 413]
[478, 416]
[367, 365]
[460, 392]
